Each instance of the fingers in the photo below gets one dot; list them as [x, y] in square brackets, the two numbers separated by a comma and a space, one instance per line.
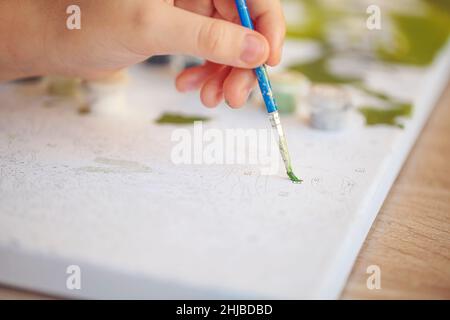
[218, 82]
[269, 21]
[194, 78]
[222, 42]
[269, 24]
[212, 91]
[237, 87]
[213, 39]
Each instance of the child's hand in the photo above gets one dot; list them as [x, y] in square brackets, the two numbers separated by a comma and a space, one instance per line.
[117, 33]
[226, 44]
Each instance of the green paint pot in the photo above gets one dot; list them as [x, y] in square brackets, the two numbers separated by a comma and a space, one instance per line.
[289, 89]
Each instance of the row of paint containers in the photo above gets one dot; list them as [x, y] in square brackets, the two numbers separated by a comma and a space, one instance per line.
[323, 106]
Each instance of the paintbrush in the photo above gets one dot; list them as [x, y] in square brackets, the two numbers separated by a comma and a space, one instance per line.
[266, 91]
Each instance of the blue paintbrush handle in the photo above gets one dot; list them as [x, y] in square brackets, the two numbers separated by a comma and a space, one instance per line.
[261, 72]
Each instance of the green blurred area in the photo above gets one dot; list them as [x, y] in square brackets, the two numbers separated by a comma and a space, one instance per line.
[411, 37]
[389, 116]
[440, 4]
[179, 119]
[318, 71]
[419, 38]
[312, 26]
[416, 38]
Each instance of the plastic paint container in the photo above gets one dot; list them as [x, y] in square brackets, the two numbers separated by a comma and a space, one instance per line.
[329, 107]
[290, 90]
[107, 96]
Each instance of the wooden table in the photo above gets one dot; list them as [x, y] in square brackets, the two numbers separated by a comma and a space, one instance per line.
[410, 239]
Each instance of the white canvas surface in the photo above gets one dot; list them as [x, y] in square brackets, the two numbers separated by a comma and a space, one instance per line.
[100, 191]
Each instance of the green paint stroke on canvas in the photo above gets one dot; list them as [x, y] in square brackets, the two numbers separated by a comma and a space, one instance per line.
[418, 38]
[312, 26]
[443, 5]
[318, 71]
[179, 119]
[376, 94]
[388, 116]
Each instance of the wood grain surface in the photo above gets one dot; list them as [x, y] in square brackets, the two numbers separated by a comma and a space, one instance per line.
[410, 239]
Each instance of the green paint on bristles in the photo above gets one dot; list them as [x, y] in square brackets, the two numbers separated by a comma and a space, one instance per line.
[287, 160]
[293, 177]
[179, 119]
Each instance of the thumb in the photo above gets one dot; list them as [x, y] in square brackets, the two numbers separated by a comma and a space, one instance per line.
[220, 41]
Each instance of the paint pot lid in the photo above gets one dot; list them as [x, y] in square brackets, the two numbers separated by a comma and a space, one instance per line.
[290, 80]
[325, 97]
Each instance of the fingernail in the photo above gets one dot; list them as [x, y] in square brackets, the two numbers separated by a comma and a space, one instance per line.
[253, 49]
